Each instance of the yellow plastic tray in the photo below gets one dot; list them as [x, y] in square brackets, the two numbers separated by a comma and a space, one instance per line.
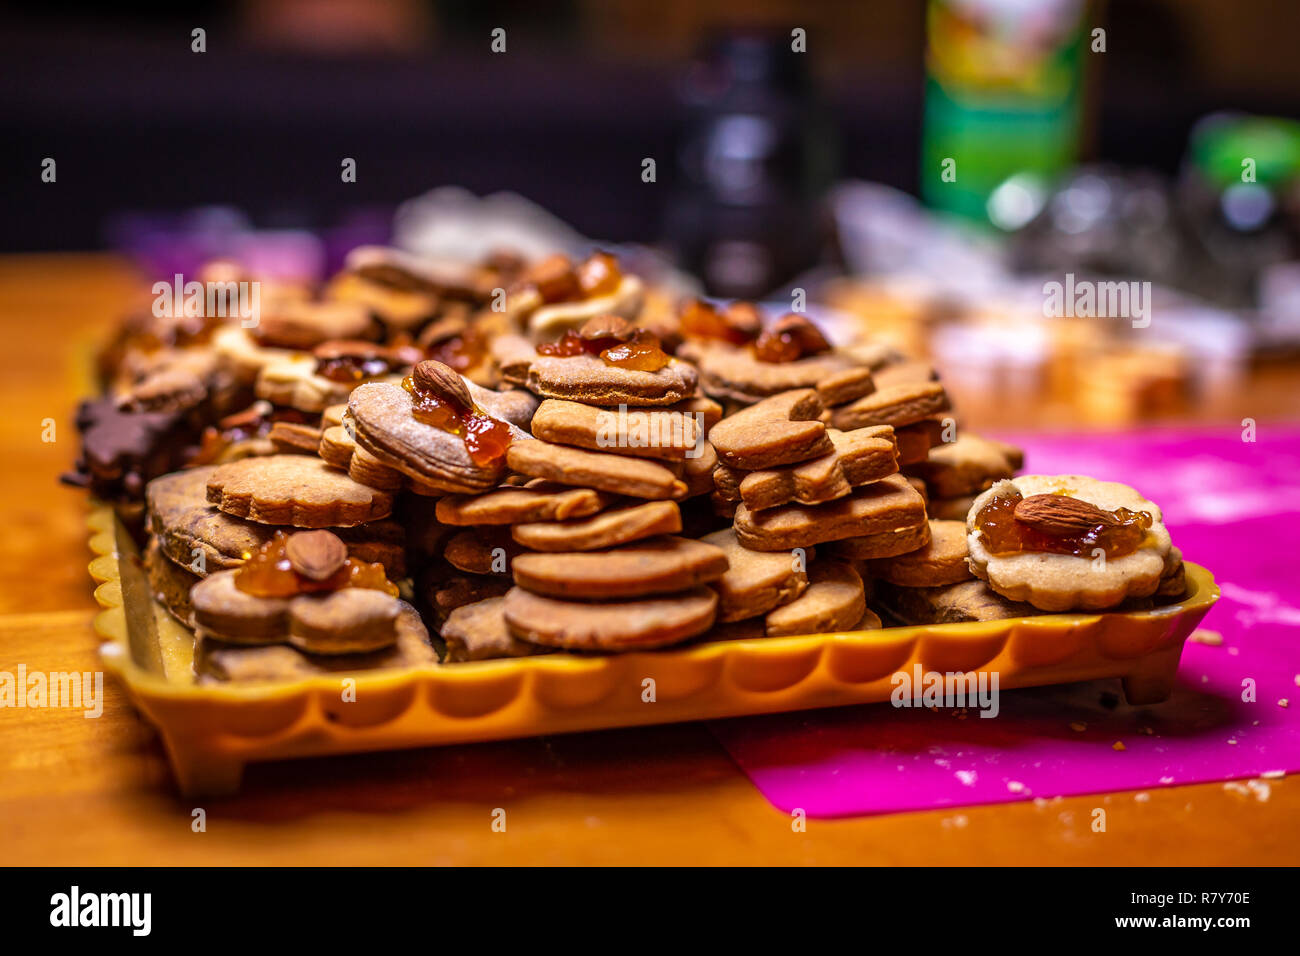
[212, 731]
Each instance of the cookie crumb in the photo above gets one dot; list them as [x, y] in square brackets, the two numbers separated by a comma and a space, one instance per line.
[1283, 702]
[1273, 774]
[1143, 797]
[1078, 726]
[1015, 786]
[1166, 780]
[1203, 636]
[1118, 745]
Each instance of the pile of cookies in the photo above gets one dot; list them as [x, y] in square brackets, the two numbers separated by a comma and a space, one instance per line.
[421, 462]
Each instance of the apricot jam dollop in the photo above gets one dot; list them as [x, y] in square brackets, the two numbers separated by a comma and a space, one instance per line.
[268, 573]
[1004, 534]
[486, 439]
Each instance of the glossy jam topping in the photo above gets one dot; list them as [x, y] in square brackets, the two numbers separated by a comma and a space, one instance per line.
[554, 278]
[268, 573]
[486, 439]
[348, 369]
[641, 353]
[599, 274]
[739, 324]
[1003, 533]
[462, 351]
[789, 339]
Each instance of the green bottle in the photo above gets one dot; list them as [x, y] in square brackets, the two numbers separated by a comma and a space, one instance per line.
[1004, 91]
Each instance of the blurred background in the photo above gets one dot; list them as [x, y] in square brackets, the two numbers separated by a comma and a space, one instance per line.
[921, 169]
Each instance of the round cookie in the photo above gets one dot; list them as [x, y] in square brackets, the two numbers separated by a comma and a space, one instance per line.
[294, 490]
[605, 530]
[655, 566]
[610, 625]
[1064, 582]
[587, 379]
[940, 562]
[755, 581]
[834, 601]
[477, 632]
[603, 471]
[385, 426]
[538, 500]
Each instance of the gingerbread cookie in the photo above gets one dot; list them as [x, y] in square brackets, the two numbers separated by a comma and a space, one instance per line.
[170, 583]
[654, 566]
[590, 380]
[603, 471]
[539, 500]
[304, 589]
[1067, 542]
[481, 551]
[294, 490]
[216, 661]
[304, 324]
[882, 506]
[940, 562]
[607, 529]
[896, 405]
[755, 582]
[197, 536]
[952, 604]
[834, 601]
[610, 625]
[665, 433]
[780, 430]
[478, 632]
[883, 544]
[967, 466]
[858, 457]
[461, 443]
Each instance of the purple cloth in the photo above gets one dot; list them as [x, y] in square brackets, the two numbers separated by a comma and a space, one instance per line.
[1231, 505]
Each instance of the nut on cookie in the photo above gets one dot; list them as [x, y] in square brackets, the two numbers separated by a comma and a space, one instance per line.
[1067, 542]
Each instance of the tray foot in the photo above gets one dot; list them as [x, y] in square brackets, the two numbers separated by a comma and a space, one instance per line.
[203, 773]
[1149, 688]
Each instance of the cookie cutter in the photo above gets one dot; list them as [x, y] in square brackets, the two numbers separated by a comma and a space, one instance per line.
[212, 731]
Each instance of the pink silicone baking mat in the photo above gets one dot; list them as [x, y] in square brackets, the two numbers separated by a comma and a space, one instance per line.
[1231, 505]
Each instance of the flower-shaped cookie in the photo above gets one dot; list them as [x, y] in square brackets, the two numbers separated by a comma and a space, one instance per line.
[1067, 542]
[300, 589]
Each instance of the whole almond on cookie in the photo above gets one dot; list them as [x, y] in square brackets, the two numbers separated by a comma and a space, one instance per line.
[443, 382]
[316, 555]
[1060, 515]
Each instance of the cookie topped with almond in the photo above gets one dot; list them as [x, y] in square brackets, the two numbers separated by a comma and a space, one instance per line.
[1067, 542]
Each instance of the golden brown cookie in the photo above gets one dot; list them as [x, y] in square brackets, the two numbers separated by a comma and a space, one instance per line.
[896, 405]
[478, 632]
[952, 604]
[447, 594]
[755, 581]
[860, 456]
[653, 566]
[883, 544]
[481, 551]
[734, 374]
[538, 500]
[610, 625]
[385, 425]
[880, 506]
[218, 662]
[170, 583]
[293, 382]
[834, 601]
[603, 471]
[916, 440]
[197, 536]
[641, 432]
[588, 379]
[291, 438]
[607, 529]
[780, 430]
[968, 466]
[294, 490]
[940, 562]
[304, 324]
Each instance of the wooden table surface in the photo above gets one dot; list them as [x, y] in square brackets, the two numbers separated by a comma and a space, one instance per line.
[87, 791]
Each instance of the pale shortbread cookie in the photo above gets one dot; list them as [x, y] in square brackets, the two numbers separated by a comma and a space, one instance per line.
[1065, 582]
